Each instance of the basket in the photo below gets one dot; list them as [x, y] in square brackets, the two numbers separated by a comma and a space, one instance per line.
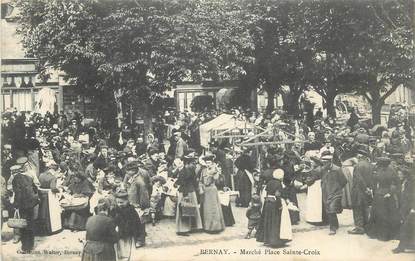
[74, 204]
[188, 209]
[16, 221]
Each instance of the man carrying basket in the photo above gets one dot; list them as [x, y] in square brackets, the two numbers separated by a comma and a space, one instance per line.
[25, 200]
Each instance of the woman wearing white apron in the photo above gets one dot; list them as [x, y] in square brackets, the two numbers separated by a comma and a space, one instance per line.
[314, 200]
[275, 230]
[49, 208]
[347, 168]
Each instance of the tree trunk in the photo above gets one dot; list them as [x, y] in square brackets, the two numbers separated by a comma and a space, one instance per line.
[117, 97]
[376, 112]
[331, 110]
[291, 103]
[254, 100]
[270, 101]
[148, 119]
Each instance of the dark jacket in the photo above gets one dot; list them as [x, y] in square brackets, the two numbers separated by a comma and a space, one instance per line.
[362, 180]
[25, 192]
[332, 184]
[126, 219]
[407, 196]
[100, 236]
[138, 194]
[186, 179]
[101, 228]
[244, 162]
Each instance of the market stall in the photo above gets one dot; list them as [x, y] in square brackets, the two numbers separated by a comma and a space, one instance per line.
[220, 124]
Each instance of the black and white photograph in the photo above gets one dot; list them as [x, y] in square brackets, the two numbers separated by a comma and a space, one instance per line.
[196, 130]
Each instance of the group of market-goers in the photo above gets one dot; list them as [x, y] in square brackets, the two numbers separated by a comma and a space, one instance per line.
[62, 172]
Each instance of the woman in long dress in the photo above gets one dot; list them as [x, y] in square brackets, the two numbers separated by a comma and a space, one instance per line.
[245, 168]
[186, 182]
[384, 222]
[126, 220]
[276, 224]
[225, 203]
[49, 218]
[212, 210]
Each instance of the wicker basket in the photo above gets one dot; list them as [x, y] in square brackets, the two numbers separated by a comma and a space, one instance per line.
[188, 209]
[16, 221]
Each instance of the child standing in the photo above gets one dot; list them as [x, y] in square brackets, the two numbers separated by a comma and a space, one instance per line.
[127, 220]
[155, 199]
[253, 214]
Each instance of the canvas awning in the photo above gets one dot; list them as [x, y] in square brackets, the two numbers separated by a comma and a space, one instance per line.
[222, 122]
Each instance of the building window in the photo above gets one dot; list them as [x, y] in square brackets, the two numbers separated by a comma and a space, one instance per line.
[181, 101]
[6, 101]
[6, 10]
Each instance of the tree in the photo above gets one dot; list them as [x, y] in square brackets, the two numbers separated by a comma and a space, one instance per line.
[132, 49]
[387, 59]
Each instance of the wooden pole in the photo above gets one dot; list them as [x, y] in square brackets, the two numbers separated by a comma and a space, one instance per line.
[270, 143]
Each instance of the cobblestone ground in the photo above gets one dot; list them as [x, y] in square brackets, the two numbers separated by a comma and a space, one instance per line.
[161, 235]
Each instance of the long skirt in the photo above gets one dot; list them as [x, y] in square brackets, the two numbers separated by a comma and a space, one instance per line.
[212, 211]
[384, 221]
[76, 219]
[314, 203]
[228, 215]
[169, 209]
[347, 196]
[98, 251]
[124, 247]
[49, 218]
[407, 234]
[292, 196]
[187, 224]
[245, 189]
[270, 224]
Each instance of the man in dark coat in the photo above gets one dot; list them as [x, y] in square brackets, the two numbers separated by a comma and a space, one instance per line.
[407, 209]
[138, 196]
[25, 200]
[361, 191]
[332, 183]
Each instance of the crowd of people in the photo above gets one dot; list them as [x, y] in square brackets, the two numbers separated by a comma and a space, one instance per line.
[63, 172]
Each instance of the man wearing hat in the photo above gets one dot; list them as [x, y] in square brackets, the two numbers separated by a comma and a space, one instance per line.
[181, 145]
[28, 170]
[15, 169]
[151, 162]
[138, 195]
[361, 192]
[25, 200]
[332, 183]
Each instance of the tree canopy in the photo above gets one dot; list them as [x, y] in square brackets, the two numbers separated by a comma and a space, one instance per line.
[136, 49]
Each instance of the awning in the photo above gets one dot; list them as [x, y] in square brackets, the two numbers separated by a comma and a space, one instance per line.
[222, 122]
